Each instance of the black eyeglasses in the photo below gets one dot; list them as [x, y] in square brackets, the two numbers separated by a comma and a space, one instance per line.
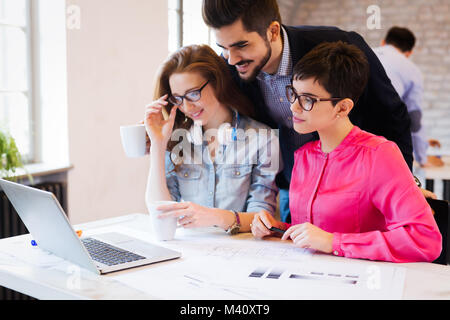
[306, 101]
[191, 96]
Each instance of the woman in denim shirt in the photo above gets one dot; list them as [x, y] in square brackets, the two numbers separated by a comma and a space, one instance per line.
[206, 153]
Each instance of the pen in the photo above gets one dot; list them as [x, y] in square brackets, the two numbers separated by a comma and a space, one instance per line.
[277, 230]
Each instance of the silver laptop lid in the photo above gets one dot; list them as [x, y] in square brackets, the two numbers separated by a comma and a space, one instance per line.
[44, 218]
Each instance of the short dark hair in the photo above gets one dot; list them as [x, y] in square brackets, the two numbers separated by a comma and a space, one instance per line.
[341, 68]
[401, 38]
[256, 15]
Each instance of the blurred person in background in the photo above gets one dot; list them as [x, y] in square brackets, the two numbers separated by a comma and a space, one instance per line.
[394, 53]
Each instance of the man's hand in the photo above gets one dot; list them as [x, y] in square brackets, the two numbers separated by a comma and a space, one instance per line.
[428, 194]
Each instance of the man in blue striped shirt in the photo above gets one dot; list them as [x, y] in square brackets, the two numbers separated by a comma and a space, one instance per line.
[407, 79]
[261, 53]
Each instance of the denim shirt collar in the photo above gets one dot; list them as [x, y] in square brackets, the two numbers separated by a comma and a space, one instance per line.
[236, 122]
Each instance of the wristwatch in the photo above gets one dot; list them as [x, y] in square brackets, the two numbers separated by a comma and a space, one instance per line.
[236, 226]
[418, 183]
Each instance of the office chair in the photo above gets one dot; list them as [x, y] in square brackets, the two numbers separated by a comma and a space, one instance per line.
[441, 210]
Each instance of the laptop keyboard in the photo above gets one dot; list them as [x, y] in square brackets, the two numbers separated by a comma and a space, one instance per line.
[108, 254]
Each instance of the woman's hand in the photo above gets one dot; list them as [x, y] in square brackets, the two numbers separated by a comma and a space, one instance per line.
[192, 215]
[262, 222]
[307, 235]
[158, 129]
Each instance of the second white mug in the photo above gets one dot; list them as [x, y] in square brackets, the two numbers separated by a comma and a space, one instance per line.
[134, 140]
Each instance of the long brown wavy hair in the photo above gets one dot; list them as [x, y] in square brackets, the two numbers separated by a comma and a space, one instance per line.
[203, 60]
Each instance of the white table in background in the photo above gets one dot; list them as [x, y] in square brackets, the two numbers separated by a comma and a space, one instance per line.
[436, 179]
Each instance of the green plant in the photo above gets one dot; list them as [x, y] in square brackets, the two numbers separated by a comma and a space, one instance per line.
[10, 158]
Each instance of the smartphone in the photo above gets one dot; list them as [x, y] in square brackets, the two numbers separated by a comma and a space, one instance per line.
[277, 230]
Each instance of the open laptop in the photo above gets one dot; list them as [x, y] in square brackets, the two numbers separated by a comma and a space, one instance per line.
[45, 219]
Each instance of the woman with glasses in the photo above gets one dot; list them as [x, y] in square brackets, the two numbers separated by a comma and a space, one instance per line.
[351, 192]
[206, 153]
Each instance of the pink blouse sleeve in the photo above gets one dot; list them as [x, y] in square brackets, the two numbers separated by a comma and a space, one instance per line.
[412, 234]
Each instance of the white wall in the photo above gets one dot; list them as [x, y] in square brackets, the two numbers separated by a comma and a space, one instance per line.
[112, 59]
[428, 20]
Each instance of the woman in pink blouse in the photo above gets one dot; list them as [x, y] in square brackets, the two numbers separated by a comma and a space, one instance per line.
[351, 192]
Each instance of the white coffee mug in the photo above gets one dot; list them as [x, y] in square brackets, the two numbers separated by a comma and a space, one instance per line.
[162, 228]
[133, 140]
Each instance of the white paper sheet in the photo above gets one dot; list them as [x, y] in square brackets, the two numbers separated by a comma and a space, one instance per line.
[209, 278]
[217, 267]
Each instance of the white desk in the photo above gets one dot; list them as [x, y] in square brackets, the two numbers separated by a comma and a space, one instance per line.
[37, 275]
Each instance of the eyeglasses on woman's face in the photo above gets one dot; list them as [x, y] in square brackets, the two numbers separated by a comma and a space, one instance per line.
[191, 96]
[305, 101]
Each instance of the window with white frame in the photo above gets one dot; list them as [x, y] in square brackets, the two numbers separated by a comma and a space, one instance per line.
[186, 25]
[15, 73]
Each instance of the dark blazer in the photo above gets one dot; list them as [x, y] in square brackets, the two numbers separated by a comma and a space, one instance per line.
[379, 110]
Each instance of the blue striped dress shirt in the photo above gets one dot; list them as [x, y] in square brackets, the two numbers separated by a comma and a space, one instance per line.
[273, 90]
